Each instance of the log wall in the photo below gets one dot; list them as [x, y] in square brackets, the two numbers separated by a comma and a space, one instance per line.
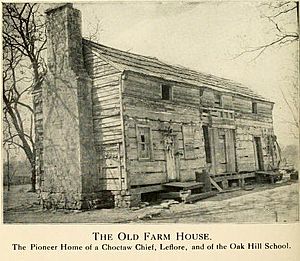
[246, 126]
[246, 130]
[143, 106]
[107, 121]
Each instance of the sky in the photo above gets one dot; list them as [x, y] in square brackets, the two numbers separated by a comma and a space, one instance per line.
[205, 36]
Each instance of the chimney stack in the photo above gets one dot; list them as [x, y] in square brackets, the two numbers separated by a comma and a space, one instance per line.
[64, 36]
[70, 179]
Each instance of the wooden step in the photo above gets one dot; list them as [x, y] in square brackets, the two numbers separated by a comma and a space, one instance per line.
[189, 185]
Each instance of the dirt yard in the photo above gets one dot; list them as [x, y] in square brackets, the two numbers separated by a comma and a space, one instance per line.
[267, 203]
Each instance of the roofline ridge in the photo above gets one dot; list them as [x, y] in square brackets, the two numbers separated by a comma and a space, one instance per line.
[119, 50]
[198, 74]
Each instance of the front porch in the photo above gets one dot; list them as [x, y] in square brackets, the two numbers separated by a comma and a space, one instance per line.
[187, 192]
[205, 186]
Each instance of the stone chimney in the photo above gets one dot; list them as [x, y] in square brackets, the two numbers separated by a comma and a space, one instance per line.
[70, 178]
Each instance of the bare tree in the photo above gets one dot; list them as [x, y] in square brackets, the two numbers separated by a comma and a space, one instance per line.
[283, 18]
[8, 169]
[283, 31]
[23, 71]
[292, 101]
[94, 31]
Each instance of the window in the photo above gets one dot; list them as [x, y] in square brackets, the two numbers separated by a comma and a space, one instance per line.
[144, 142]
[201, 92]
[166, 92]
[254, 107]
[217, 100]
[188, 141]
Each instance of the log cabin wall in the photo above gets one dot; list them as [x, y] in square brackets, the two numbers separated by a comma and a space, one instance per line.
[249, 125]
[107, 121]
[172, 124]
[233, 126]
[218, 118]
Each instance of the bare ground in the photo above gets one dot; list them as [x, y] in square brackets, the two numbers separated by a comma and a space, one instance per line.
[268, 203]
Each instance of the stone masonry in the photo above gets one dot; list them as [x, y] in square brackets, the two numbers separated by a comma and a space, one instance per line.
[70, 178]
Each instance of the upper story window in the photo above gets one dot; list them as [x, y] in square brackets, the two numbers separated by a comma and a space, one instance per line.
[217, 100]
[201, 92]
[166, 92]
[254, 107]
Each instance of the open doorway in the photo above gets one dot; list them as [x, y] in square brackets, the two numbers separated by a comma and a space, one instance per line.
[207, 145]
[258, 153]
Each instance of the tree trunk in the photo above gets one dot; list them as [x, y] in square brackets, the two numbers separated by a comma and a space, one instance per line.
[33, 179]
[8, 170]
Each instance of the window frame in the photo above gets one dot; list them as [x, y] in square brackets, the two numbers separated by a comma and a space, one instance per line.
[150, 158]
[254, 107]
[220, 102]
[170, 91]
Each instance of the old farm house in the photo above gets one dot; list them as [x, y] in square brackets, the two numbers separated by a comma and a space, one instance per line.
[112, 126]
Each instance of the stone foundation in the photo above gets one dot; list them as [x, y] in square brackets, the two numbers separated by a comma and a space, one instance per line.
[123, 199]
[102, 199]
[51, 200]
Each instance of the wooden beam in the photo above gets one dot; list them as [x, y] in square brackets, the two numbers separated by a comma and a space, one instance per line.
[215, 185]
[218, 178]
[200, 196]
[188, 185]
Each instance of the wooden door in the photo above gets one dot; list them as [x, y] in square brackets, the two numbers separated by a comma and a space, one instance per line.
[223, 155]
[231, 150]
[171, 166]
[258, 153]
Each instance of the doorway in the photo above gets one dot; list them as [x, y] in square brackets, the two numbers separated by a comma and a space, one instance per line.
[220, 150]
[172, 165]
[207, 144]
[259, 153]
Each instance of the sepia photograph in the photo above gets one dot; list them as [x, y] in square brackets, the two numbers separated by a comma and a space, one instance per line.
[150, 112]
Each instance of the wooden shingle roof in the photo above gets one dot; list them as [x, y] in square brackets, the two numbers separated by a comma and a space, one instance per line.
[151, 66]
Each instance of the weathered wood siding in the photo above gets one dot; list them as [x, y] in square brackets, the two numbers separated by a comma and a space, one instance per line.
[245, 124]
[107, 120]
[223, 151]
[244, 107]
[136, 101]
[143, 106]
[248, 126]
[246, 130]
